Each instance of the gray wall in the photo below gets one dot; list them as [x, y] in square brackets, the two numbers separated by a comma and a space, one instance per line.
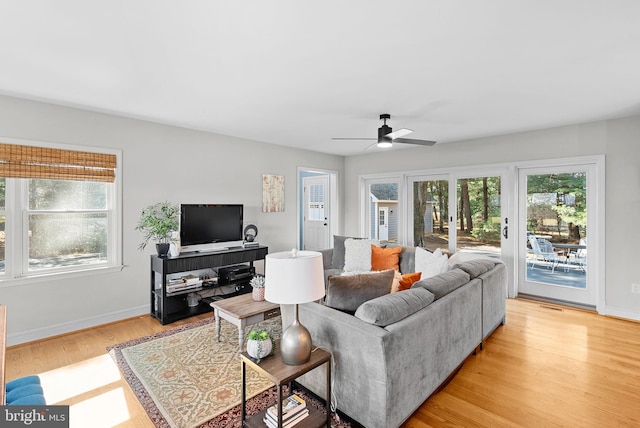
[164, 162]
[159, 163]
[617, 139]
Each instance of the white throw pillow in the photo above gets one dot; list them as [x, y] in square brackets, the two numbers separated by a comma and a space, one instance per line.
[357, 254]
[431, 264]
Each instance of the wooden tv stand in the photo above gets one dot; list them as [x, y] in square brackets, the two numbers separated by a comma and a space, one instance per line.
[169, 308]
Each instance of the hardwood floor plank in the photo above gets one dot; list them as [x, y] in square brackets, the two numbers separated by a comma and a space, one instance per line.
[547, 366]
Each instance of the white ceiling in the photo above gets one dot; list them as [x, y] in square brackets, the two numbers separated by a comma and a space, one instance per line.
[297, 73]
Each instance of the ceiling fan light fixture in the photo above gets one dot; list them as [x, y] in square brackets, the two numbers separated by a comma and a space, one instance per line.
[384, 144]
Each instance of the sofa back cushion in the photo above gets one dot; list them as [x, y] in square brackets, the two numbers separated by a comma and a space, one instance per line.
[391, 308]
[444, 283]
[476, 267]
[348, 292]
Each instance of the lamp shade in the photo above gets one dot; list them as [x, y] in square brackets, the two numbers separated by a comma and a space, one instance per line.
[293, 277]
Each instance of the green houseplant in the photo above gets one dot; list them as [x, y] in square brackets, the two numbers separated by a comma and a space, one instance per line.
[259, 343]
[157, 222]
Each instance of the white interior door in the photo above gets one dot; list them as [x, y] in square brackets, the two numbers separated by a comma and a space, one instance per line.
[383, 224]
[316, 229]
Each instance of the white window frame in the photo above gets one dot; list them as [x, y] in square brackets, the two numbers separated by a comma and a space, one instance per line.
[16, 226]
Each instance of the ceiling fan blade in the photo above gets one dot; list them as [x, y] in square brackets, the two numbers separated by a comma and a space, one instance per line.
[399, 133]
[353, 139]
[371, 146]
[412, 141]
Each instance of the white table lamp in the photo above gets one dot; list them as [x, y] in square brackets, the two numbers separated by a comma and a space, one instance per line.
[294, 277]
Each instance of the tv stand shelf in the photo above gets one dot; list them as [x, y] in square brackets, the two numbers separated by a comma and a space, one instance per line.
[168, 308]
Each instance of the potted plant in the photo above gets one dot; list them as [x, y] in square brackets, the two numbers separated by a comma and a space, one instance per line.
[158, 222]
[259, 343]
[257, 282]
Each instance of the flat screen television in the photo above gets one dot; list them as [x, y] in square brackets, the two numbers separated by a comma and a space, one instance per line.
[206, 227]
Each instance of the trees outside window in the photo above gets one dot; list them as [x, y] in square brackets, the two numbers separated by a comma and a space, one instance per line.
[68, 223]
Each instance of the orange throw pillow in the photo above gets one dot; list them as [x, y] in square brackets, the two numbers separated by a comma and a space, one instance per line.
[385, 258]
[408, 279]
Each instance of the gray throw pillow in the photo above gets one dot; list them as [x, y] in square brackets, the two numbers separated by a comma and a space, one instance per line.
[476, 267]
[346, 293]
[443, 283]
[392, 308]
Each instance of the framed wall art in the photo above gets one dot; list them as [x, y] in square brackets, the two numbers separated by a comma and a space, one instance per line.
[272, 193]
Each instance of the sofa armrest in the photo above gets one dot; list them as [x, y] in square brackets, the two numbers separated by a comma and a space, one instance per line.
[356, 347]
[327, 256]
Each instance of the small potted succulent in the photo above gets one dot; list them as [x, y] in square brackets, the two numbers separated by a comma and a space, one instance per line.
[259, 343]
[158, 222]
[257, 282]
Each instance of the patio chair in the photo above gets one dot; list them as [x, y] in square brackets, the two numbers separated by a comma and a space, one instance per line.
[543, 251]
[581, 255]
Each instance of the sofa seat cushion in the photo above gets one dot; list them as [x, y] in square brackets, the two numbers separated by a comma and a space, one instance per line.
[391, 308]
[444, 283]
[347, 293]
[476, 267]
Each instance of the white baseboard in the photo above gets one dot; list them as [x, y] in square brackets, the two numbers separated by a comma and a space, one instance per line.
[68, 327]
[623, 313]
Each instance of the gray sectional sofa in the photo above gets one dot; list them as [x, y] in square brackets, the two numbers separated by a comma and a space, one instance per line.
[397, 349]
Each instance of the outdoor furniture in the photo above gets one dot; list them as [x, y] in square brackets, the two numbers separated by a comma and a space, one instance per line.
[544, 252]
[576, 253]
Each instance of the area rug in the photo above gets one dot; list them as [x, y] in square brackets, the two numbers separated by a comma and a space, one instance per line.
[185, 378]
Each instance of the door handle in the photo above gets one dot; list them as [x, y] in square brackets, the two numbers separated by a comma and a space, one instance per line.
[325, 224]
[505, 232]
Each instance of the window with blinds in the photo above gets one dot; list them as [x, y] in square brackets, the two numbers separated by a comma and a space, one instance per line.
[58, 210]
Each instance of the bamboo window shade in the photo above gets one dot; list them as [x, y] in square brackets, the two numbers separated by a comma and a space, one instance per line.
[18, 161]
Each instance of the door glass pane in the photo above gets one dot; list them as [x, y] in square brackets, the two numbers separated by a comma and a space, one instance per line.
[479, 216]
[316, 202]
[556, 229]
[383, 197]
[431, 214]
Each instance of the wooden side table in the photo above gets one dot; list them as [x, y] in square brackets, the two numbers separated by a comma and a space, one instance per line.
[273, 368]
[242, 311]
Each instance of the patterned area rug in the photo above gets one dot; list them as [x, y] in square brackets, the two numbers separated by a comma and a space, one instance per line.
[185, 378]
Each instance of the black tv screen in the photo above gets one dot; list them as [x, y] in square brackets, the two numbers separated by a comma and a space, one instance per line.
[210, 223]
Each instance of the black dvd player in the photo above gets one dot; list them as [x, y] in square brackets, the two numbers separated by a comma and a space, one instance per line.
[233, 273]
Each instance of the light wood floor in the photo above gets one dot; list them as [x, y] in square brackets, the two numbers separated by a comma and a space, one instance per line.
[548, 366]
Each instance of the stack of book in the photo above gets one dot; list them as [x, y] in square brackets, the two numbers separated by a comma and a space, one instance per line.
[187, 282]
[294, 410]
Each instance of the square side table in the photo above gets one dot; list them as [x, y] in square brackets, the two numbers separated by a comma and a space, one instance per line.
[274, 369]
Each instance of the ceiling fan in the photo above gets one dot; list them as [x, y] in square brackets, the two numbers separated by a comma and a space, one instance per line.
[386, 136]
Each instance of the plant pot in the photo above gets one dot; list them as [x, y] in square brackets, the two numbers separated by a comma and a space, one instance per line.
[259, 348]
[258, 294]
[162, 249]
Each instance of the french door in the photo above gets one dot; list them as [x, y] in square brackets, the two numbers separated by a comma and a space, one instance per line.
[459, 212]
[558, 234]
